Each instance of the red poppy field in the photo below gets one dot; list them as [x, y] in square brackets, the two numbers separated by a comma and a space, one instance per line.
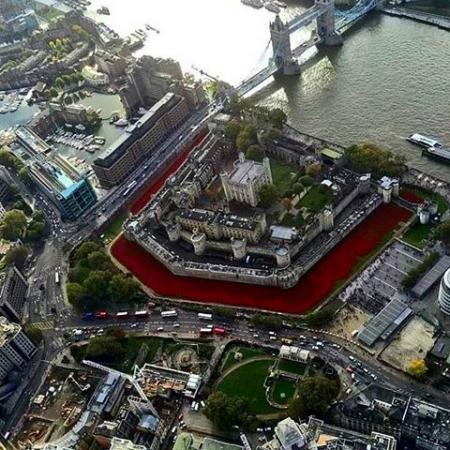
[309, 292]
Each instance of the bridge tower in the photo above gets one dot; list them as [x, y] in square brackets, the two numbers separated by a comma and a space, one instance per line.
[326, 24]
[281, 46]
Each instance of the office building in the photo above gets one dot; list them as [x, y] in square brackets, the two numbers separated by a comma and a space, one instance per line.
[140, 139]
[15, 347]
[444, 293]
[13, 291]
[55, 177]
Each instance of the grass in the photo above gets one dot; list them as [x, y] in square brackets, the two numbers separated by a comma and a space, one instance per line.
[248, 381]
[283, 391]
[292, 221]
[418, 234]
[282, 175]
[292, 367]
[132, 345]
[316, 198]
[246, 352]
[429, 195]
[115, 227]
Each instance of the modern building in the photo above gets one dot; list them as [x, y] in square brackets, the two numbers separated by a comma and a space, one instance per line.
[13, 291]
[140, 139]
[444, 293]
[245, 180]
[15, 347]
[70, 191]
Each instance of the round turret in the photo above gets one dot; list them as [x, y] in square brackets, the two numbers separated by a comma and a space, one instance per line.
[282, 256]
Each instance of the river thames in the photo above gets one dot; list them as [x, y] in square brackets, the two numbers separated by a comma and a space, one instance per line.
[389, 79]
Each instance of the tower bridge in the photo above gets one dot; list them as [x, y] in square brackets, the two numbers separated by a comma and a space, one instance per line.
[330, 24]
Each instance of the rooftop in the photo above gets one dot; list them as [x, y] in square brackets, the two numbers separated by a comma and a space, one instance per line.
[246, 172]
[7, 330]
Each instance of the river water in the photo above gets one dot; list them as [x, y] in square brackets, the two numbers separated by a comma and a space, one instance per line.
[389, 79]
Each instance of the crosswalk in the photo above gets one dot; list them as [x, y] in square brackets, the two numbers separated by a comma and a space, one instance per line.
[44, 325]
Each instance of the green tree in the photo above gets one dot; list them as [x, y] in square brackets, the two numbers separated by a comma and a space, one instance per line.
[13, 225]
[313, 170]
[59, 83]
[76, 294]
[246, 137]
[35, 334]
[265, 321]
[255, 153]
[122, 288]
[99, 260]
[232, 130]
[298, 188]
[96, 286]
[318, 318]
[314, 396]
[53, 92]
[442, 232]
[225, 411]
[277, 117]
[83, 251]
[268, 195]
[36, 231]
[104, 349]
[17, 255]
[9, 160]
[306, 180]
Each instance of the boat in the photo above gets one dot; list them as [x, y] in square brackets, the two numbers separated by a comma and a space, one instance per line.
[280, 4]
[272, 7]
[103, 10]
[121, 123]
[423, 141]
[439, 153]
[253, 3]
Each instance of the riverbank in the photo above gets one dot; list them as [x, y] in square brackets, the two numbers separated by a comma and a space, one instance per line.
[431, 19]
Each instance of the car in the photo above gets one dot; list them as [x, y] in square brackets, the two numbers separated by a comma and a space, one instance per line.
[314, 347]
[160, 329]
[256, 335]
[176, 325]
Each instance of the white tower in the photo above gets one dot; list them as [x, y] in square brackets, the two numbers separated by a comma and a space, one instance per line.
[173, 231]
[239, 247]
[199, 242]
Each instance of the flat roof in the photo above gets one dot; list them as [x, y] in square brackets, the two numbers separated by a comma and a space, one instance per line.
[330, 153]
[385, 322]
[431, 277]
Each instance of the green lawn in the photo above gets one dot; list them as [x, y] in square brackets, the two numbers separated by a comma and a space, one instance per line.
[132, 346]
[248, 381]
[316, 198]
[283, 391]
[292, 366]
[282, 175]
[246, 352]
[115, 227]
[417, 234]
[429, 195]
[293, 221]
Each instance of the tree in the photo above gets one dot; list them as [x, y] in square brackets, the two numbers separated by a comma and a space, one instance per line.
[417, 368]
[17, 255]
[314, 396]
[298, 188]
[68, 100]
[268, 195]
[35, 334]
[232, 130]
[442, 232]
[277, 117]
[306, 180]
[99, 260]
[83, 251]
[35, 231]
[117, 333]
[255, 152]
[318, 318]
[122, 288]
[287, 203]
[96, 286]
[225, 411]
[246, 137]
[313, 170]
[59, 83]
[262, 320]
[13, 225]
[76, 294]
[104, 349]
[9, 160]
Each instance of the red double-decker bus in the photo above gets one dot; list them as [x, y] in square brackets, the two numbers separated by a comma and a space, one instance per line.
[219, 330]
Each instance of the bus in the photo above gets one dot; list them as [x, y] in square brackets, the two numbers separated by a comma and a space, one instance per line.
[88, 316]
[129, 187]
[203, 316]
[56, 277]
[206, 331]
[101, 315]
[122, 315]
[219, 330]
[141, 314]
[169, 313]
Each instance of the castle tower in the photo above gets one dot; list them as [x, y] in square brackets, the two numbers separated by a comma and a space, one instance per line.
[364, 184]
[282, 256]
[281, 46]
[387, 194]
[239, 247]
[395, 188]
[173, 231]
[326, 24]
[199, 242]
[326, 219]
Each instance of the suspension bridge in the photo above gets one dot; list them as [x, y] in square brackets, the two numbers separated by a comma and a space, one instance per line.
[330, 25]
